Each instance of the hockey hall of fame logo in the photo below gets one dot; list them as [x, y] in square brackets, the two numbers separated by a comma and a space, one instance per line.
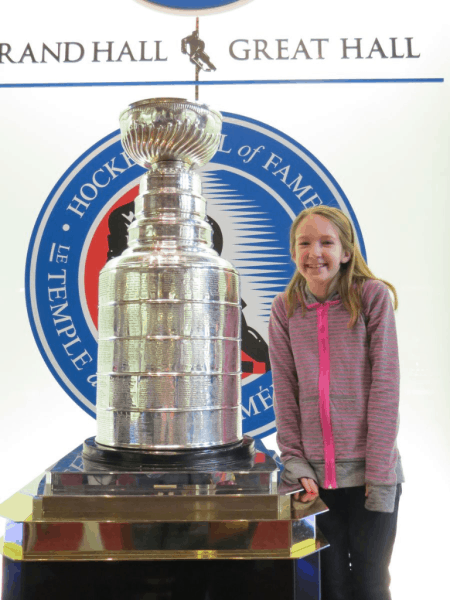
[195, 6]
[255, 185]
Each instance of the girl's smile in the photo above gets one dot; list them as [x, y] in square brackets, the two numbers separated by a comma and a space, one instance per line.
[318, 254]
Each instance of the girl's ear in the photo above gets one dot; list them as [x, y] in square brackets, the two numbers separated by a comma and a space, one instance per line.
[347, 256]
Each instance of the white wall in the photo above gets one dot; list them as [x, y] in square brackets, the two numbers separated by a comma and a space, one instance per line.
[386, 144]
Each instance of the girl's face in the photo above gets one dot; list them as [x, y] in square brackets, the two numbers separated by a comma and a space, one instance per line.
[318, 253]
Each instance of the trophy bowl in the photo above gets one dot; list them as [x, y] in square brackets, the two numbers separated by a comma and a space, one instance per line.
[170, 129]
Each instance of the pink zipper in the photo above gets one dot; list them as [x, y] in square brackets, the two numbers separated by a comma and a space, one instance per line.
[324, 392]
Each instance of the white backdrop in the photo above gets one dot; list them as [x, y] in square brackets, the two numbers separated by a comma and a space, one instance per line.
[387, 144]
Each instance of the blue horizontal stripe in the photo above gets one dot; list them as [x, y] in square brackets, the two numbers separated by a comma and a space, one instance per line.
[224, 82]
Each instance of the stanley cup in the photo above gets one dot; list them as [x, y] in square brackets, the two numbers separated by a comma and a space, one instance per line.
[169, 352]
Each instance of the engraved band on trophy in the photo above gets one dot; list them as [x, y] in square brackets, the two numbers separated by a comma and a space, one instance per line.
[169, 354]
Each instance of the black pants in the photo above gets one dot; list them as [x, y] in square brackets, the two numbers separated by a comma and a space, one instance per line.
[356, 565]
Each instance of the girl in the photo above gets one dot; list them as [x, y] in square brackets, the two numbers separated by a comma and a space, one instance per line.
[333, 350]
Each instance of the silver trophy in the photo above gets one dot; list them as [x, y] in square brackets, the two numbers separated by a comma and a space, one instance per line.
[169, 349]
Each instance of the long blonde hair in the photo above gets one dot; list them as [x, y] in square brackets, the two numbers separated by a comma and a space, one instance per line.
[353, 273]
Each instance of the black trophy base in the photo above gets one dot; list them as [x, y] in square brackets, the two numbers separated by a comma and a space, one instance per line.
[296, 579]
[232, 456]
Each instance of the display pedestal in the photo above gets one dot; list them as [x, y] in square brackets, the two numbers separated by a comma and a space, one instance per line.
[80, 532]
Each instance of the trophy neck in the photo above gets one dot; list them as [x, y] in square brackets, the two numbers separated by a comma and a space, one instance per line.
[170, 165]
[170, 211]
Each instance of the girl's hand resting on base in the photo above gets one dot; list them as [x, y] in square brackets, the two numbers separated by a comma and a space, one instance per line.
[311, 490]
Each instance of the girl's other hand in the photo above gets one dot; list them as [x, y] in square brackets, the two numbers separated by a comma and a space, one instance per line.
[311, 490]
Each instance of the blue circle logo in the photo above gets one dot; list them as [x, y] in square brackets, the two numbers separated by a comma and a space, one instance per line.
[255, 185]
[197, 6]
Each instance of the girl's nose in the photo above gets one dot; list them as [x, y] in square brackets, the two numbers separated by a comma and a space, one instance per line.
[315, 250]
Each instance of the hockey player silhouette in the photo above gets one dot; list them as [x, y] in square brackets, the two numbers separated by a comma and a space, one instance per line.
[255, 351]
[194, 47]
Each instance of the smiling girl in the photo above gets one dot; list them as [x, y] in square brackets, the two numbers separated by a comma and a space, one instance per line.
[334, 357]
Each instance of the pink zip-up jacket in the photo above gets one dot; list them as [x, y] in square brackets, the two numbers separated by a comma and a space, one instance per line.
[337, 393]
